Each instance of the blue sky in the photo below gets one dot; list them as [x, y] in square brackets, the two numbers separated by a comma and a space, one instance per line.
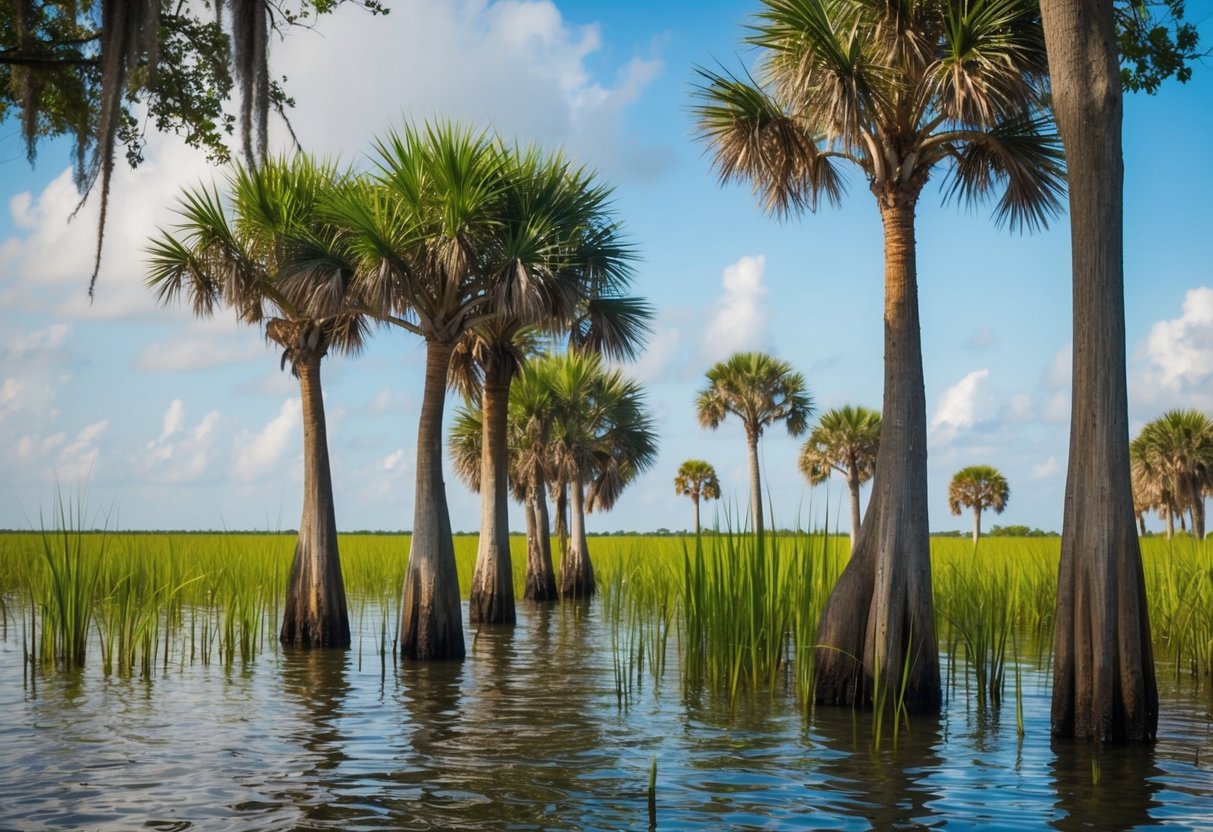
[163, 421]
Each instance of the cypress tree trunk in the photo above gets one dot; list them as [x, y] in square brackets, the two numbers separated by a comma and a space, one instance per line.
[315, 612]
[576, 571]
[491, 600]
[430, 624]
[751, 439]
[881, 610]
[540, 575]
[1103, 665]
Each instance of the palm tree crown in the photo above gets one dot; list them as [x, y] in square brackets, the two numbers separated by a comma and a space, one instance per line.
[846, 440]
[1172, 459]
[759, 390]
[697, 479]
[979, 487]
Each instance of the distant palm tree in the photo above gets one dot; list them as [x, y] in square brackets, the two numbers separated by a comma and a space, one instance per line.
[899, 90]
[265, 253]
[697, 479]
[845, 440]
[1175, 453]
[978, 487]
[760, 391]
[601, 437]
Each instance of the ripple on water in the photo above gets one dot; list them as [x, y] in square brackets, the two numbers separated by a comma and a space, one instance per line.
[528, 733]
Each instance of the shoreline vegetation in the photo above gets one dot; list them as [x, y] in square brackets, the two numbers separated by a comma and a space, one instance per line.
[738, 617]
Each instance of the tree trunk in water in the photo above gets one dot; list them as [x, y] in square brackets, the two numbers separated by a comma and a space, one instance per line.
[540, 576]
[1103, 664]
[853, 488]
[491, 600]
[751, 439]
[431, 626]
[562, 521]
[576, 571]
[880, 616]
[315, 613]
[976, 525]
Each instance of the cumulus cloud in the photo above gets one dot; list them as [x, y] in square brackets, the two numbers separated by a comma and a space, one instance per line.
[739, 321]
[21, 344]
[176, 455]
[517, 65]
[257, 452]
[1049, 468]
[77, 461]
[1176, 359]
[958, 406]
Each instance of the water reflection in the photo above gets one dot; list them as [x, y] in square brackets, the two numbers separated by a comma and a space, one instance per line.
[1104, 787]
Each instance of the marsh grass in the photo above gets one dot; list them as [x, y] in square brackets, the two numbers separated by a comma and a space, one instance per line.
[737, 618]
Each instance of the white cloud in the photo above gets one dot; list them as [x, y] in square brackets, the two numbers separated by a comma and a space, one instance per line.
[395, 461]
[1061, 370]
[174, 418]
[740, 320]
[177, 456]
[77, 462]
[21, 344]
[200, 351]
[517, 65]
[1176, 358]
[1048, 468]
[257, 452]
[958, 406]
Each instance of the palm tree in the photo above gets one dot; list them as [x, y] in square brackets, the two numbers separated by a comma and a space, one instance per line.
[845, 440]
[601, 438]
[697, 479]
[978, 487]
[439, 256]
[896, 89]
[272, 261]
[1152, 489]
[1176, 450]
[557, 220]
[760, 391]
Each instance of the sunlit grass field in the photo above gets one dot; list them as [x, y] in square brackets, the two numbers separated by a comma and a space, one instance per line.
[741, 618]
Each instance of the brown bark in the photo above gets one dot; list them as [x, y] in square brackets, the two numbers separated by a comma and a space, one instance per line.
[576, 571]
[1103, 667]
[540, 575]
[881, 610]
[430, 623]
[491, 600]
[751, 439]
[315, 613]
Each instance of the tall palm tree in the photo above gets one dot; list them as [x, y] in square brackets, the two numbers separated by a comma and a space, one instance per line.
[697, 479]
[265, 253]
[978, 487]
[760, 391]
[1151, 485]
[897, 90]
[846, 440]
[557, 219]
[601, 438]
[1177, 449]
[438, 256]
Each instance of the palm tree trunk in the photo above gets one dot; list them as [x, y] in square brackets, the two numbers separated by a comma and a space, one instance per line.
[562, 519]
[1170, 515]
[491, 600]
[696, 498]
[315, 612]
[976, 524]
[751, 438]
[881, 612]
[540, 575]
[1198, 516]
[576, 571]
[1141, 523]
[430, 624]
[1103, 665]
[853, 488]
